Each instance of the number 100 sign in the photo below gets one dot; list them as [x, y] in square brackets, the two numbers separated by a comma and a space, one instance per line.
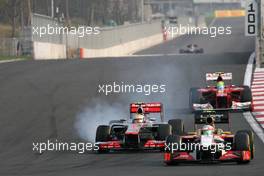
[251, 28]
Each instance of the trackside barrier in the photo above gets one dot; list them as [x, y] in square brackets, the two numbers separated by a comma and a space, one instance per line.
[123, 49]
[44, 50]
[81, 53]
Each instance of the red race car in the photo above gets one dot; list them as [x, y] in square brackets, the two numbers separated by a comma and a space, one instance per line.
[210, 144]
[142, 130]
[221, 96]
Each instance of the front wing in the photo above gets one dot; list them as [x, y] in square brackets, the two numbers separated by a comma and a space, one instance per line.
[229, 156]
[236, 107]
[119, 145]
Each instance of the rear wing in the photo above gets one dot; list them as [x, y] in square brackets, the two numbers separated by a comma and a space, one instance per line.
[214, 76]
[146, 108]
[218, 116]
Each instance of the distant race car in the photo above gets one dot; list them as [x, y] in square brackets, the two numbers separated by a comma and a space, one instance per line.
[210, 144]
[140, 131]
[220, 96]
[191, 49]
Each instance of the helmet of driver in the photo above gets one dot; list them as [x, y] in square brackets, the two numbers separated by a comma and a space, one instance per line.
[208, 130]
[220, 86]
[139, 118]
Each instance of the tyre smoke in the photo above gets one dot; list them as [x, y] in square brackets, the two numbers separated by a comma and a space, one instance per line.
[100, 113]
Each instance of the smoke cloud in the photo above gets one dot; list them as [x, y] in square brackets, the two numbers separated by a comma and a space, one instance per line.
[100, 113]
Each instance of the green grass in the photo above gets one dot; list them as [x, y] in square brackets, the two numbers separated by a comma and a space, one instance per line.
[14, 57]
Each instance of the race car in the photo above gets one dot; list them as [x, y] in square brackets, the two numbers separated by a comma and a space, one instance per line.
[142, 130]
[221, 96]
[191, 49]
[210, 144]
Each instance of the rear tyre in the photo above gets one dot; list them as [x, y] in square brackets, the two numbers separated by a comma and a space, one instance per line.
[242, 143]
[177, 126]
[102, 135]
[193, 97]
[164, 130]
[246, 94]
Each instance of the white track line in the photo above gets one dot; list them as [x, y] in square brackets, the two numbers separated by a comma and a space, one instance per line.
[260, 119]
[259, 108]
[258, 98]
[258, 102]
[257, 93]
[259, 69]
[13, 60]
[257, 89]
[258, 83]
[258, 79]
[247, 115]
[258, 113]
[257, 86]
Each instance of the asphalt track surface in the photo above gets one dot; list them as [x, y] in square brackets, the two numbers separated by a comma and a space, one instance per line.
[40, 100]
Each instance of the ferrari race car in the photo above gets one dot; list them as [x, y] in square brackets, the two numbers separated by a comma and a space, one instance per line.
[191, 49]
[210, 144]
[140, 131]
[221, 96]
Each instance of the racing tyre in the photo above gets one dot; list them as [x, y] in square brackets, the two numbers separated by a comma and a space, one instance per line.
[193, 97]
[102, 133]
[242, 143]
[172, 140]
[251, 140]
[246, 94]
[177, 126]
[164, 130]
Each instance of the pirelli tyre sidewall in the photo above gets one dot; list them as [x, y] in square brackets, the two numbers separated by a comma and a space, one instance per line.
[246, 94]
[251, 140]
[242, 143]
[102, 133]
[171, 140]
[177, 126]
[164, 130]
[194, 97]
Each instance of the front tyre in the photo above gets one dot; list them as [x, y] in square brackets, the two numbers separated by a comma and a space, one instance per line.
[102, 135]
[242, 143]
